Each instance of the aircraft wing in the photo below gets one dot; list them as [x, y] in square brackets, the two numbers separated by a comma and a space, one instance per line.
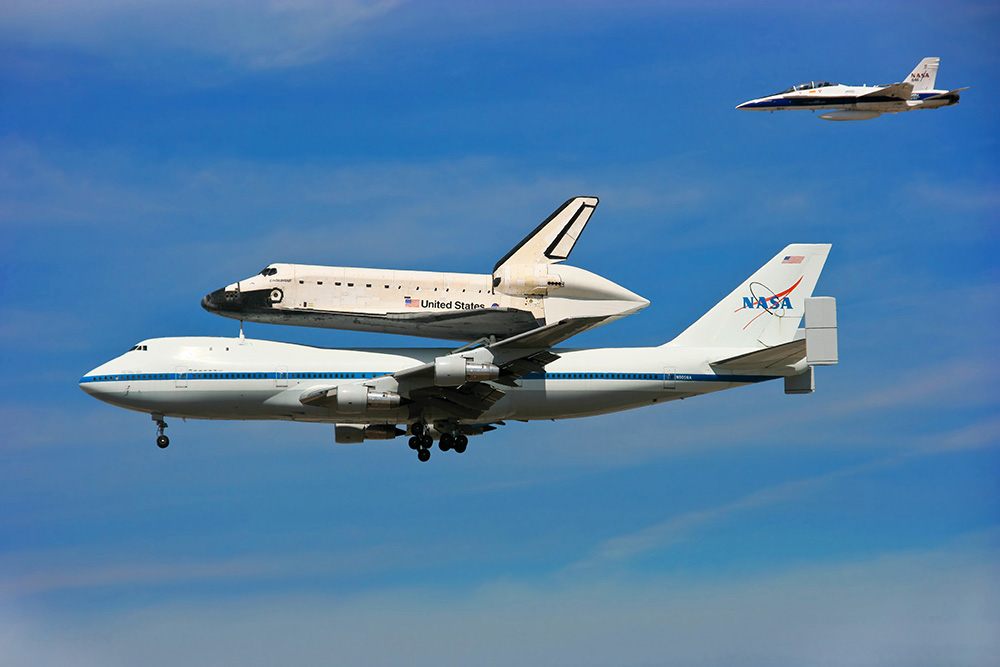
[786, 354]
[515, 357]
[899, 91]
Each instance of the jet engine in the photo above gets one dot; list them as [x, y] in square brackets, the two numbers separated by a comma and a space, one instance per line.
[354, 399]
[453, 371]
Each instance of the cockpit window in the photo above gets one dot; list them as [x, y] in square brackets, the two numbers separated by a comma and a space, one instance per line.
[808, 85]
[269, 271]
[139, 348]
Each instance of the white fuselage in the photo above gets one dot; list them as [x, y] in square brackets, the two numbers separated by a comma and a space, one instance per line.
[233, 378]
[850, 98]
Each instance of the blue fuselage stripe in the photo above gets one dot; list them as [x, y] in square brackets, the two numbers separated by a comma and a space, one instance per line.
[196, 376]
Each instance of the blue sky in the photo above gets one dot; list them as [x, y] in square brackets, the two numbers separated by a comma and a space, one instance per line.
[152, 152]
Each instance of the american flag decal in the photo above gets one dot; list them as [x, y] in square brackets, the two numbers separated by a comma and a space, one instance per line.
[412, 303]
[793, 259]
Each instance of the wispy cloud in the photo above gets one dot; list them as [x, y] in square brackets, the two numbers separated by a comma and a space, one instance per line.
[685, 526]
[257, 34]
[919, 608]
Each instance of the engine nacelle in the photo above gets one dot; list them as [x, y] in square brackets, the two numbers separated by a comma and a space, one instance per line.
[348, 434]
[453, 371]
[534, 280]
[357, 398]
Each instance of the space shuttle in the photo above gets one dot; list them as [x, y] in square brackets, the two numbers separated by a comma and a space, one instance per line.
[528, 288]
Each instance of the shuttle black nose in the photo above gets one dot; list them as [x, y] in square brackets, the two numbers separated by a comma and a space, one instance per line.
[221, 300]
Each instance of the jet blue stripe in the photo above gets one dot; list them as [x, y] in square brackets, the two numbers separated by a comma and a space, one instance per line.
[196, 376]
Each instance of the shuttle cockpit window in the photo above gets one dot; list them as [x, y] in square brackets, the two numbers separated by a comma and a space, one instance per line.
[269, 271]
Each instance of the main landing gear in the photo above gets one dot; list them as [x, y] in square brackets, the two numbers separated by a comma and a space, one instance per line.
[162, 441]
[422, 441]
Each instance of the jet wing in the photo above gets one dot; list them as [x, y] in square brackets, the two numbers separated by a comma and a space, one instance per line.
[786, 354]
[898, 91]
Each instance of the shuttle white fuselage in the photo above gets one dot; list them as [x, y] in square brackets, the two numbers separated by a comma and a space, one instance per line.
[527, 289]
[454, 306]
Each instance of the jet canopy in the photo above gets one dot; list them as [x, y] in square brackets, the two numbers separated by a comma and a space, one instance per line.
[808, 85]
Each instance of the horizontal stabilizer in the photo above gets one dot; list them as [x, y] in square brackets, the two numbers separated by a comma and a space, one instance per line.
[897, 91]
[948, 94]
[553, 240]
[787, 354]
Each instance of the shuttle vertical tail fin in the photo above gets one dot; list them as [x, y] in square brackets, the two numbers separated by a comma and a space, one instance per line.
[553, 240]
[923, 76]
[767, 308]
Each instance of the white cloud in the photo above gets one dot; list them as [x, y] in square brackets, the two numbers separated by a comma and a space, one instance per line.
[926, 608]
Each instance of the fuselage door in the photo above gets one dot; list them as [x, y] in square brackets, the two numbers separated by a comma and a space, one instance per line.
[181, 378]
[281, 377]
[669, 377]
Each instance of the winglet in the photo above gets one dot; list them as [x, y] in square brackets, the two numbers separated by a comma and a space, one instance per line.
[553, 240]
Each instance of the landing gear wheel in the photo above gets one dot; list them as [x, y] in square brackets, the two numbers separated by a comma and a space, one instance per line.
[461, 442]
[426, 441]
[417, 429]
[415, 442]
[446, 442]
[424, 455]
[161, 440]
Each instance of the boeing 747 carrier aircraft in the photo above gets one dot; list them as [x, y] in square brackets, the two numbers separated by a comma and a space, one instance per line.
[750, 336]
[526, 290]
[842, 102]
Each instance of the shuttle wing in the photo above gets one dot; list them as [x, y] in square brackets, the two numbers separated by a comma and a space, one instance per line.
[553, 240]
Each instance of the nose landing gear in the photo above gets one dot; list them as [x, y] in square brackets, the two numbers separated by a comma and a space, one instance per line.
[162, 441]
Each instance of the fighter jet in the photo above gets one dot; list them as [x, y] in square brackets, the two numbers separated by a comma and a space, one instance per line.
[525, 291]
[863, 102]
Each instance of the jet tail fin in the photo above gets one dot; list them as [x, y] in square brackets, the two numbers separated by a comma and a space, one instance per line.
[923, 76]
[553, 240]
[765, 311]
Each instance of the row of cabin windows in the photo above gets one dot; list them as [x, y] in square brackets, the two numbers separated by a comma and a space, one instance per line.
[339, 284]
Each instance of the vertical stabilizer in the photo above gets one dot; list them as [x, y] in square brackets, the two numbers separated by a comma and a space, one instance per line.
[553, 240]
[767, 308]
[924, 75]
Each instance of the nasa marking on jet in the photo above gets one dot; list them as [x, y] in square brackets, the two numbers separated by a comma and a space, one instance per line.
[751, 336]
[863, 102]
[526, 290]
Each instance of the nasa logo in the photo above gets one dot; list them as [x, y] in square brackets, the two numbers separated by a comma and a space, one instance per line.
[775, 304]
[767, 303]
